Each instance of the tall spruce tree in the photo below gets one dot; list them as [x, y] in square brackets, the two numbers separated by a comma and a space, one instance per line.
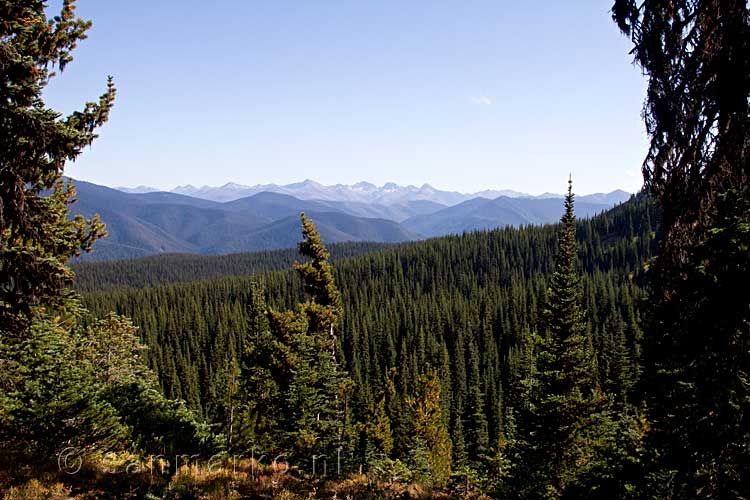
[325, 385]
[697, 348]
[295, 386]
[477, 433]
[565, 398]
[430, 442]
[51, 396]
[323, 307]
[36, 235]
[264, 361]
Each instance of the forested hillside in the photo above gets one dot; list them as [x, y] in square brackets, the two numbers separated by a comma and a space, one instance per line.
[175, 268]
[464, 307]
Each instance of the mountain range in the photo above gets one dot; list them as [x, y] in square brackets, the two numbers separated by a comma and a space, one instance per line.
[143, 222]
[363, 192]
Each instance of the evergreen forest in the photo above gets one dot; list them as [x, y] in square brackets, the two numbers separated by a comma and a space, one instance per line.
[597, 358]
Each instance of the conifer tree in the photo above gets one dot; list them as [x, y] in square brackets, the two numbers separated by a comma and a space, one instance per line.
[225, 385]
[323, 307]
[36, 235]
[291, 373]
[376, 438]
[476, 419]
[460, 457]
[565, 397]
[398, 415]
[430, 430]
[323, 311]
[55, 374]
[266, 362]
[381, 434]
[49, 399]
[697, 351]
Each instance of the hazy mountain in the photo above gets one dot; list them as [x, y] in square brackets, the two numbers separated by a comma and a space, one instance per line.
[137, 189]
[276, 205]
[481, 213]
[609, 199]
[146, 223]
[395, 211]
[141, 224]
[362, 192]
[494, 193]
[227, 192]
[368, 196]
[96, 196]
[333, 226]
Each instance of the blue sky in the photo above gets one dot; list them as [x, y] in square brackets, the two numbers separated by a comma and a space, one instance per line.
[464, 95]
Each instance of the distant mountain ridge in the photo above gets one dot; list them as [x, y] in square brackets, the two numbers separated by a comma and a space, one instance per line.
[144, 222]
[480, 214]
[137, 190]
[362, 192]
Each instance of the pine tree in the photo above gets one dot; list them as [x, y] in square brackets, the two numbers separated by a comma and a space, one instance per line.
[565, 399]
[324, 305]
[291, 373]
[376, 436]
[57, 374]
[266, 363]
[398, 415]
[36, 235]
[697, 351]
[50, 400]
[323, 311]
[430, 431]
[476, 419]
[225, 384]
[460, 457]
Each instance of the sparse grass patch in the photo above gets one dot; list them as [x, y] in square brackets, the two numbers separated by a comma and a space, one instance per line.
[35, 490]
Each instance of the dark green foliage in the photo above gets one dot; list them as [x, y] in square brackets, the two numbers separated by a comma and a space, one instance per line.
[225, 396]
[697, 351]
[476, 431]
[64, 376]
[52, 370]
[36, 236]
[87, 387]
[323, 307]
[161, 427]
[50, 396]
[565, 413]
[262, 362]
[698, 361]
[294, 388]
[177, 268]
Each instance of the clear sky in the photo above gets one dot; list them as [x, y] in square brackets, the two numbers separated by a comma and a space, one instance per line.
[464, 95]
